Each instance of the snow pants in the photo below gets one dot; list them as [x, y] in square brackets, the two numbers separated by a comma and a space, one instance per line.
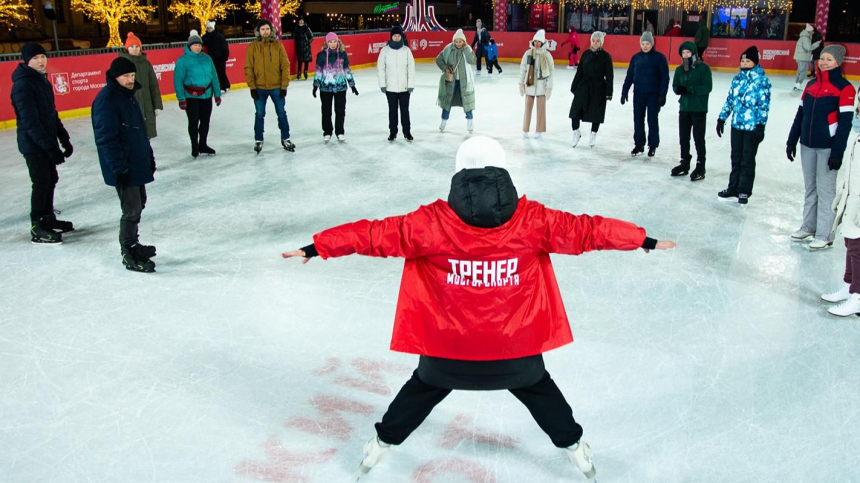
[744, 149]
[646, 104]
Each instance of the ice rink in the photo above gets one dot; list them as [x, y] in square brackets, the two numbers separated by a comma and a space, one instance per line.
[714, 362]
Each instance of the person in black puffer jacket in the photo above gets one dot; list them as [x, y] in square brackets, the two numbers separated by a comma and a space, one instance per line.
[39, 129]
[125, 156]
[649, 75]
[219, 50]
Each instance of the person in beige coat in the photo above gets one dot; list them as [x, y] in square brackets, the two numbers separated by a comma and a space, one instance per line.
[536, 80]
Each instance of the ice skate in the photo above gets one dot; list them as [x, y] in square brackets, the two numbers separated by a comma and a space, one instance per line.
[525, 134]
[682, 169]
[136, 263]
[637, 150]
[818, 245]
[538, 135]
[195, 151]
[41, 235]
[743, 198]
[576, 137]
[801, 235]
[840, 295]
[850, 306]
[52, 223]
[374, 450]
[288, 145]
[592, 139]
[392, 137]
[204, 149]
[327, 138]
[408, 136]
[143, 251]
[570, 67]
[726, 195]
[580, 454]
[652, 152]
[499, 74]
[798, 87]
[341, 138]
[442, 125]
[470, 125]
[258, 146]
[698, 174]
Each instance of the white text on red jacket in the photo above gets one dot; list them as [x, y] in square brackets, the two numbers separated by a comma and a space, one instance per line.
[483, 273]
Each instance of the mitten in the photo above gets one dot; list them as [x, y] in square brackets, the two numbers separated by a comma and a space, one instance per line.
[661, 100]
[681, 90]
[548, 93]
[157, 112]
[315, 92]
[791, 151]
[834, 163]
[283, 94]
[384, 90]
[522, 90]
[56, 156]
[254, 94]
[218, 101]
[410, 90]
[623, 99]
[67, 147]
[183, 105]
[759, 133]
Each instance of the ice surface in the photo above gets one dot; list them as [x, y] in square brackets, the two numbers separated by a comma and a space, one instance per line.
[714, 362]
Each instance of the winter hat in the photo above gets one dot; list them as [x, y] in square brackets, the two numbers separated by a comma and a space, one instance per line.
[330, 36]
[397, 29]
[30, 50]
[809, 28]
[210, 24]
[194, 38]
[601, 36]
[132, 39]
[751, 54]
[479, 152]
[120, 66]
[459, 35]
[647, 37]
[837, 51]
[540, 36]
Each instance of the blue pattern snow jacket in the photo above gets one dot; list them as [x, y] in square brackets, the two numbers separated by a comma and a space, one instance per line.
[648, 74]
[749, 100]
[332, 70]
[193, 74]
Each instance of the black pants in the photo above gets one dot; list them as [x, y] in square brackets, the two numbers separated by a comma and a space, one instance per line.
[416, 399]
[132, 200]
[199, 111]
[491, 63]
[646, 104]
[339, 99]
[478, 59]
[398, 100]
[744, 149]
[303, 67]
[574, 123]
[44, 176]
[695, 122]
[221, 70]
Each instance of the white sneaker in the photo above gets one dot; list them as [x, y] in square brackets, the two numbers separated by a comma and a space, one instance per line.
[341, 138]
[374, 450]
[848, 307]
[576, 137]
[326, 139]
[580, 454]
[442, 125]
[538, 135]
[525, 134]
[470, 125]
[820, 245]
[801, 235]
[592, 140]
[840, 295]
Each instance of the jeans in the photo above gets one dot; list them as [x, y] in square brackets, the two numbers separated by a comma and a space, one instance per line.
[695, 122]
[457, 95]
[44, 176]
[744, 149]
[398, 101]
[260, 113]
[132, 200]
[339, 99]
[642, 104]
[820, 183]
[199, 112]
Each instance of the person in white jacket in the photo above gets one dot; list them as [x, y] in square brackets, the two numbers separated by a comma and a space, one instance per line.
[803, 55]
[536, 79]
[846, 204]
[396, 71]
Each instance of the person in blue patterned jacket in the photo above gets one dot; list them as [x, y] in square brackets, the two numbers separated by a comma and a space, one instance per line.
[748, 103]
[331, 78]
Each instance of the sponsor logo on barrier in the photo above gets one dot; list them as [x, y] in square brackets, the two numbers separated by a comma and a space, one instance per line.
[414, 44]
[159, 68]
[61, 83]
[375, 47]
[851, 60]
[772, 54]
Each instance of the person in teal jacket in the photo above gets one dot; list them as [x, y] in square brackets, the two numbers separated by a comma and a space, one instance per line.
[196, 81]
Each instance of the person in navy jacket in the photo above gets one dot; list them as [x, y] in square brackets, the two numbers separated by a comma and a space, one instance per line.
[125, 156]
[822, 125]
[648, 73]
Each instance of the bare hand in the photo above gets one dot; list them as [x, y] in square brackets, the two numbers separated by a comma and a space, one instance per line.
[663, 245]
[300, 253]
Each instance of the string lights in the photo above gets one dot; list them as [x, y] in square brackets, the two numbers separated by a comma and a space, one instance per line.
[287, 7]
[112, 12]
[13, 12]
[685, 5]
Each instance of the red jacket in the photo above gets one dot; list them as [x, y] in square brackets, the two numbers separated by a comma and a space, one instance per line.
[479, 293]
[674, 32]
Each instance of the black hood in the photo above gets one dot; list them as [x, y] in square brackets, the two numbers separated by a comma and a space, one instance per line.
[484, 198]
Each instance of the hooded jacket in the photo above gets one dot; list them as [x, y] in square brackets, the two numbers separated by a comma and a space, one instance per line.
[464, 60]
[823, 119]
[38, 124]
[748, 100]
[149, 95]
[267, 66]
[805, 46]
[194, 76]
[332, 72]
[703, 35]
[697, 80]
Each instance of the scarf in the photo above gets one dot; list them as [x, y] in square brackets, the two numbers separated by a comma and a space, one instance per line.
[541, 62]
[395, 45]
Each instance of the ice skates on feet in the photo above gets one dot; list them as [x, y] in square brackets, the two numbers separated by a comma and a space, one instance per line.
[840, 295]
[727, 195]
[682, 169]
[392, 137]
[817, 245]
[408, 136]
[592, 139]
[652, 152]
[801, 235]
[525, 134]
[851, 306]
[341, 138]
[698, 174]
[40, 234]
[637, 150]
[580, 454]
[327, 138]
[470, 125]
[442, 125]
[538, 135]
[374, 450]
[576, 137]
[52, 223]
[134, 260]
[258, 146]
[743, 198]
[204, 149]
[288, 145]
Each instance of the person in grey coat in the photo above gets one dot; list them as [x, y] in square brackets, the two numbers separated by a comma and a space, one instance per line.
[803, 55]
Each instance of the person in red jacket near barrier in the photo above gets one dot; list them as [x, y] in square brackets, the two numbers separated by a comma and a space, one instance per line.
[479, 302]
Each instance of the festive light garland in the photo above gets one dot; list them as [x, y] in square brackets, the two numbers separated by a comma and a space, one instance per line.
[112, 12]
[13, 12]
[287, 7]
[202, 10]
[685, 5]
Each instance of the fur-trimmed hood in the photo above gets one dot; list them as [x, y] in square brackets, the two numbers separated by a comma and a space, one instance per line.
[276, 34]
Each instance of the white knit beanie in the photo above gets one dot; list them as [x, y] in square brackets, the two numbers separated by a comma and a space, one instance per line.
[540, 36]
[459, 35]
[210, 24]
[479, 152]
[600, 36]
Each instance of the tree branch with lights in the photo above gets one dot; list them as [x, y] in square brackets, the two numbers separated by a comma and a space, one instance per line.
[13, 12]
[287, 7]
[202, 10]
[112, 12]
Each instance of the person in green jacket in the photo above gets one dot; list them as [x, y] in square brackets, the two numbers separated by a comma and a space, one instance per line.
[703, 34]
[149, 95]
[196, 81]
[693, 82]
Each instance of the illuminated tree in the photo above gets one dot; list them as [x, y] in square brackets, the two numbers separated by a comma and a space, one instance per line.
[288, 7]
[202, 10]
[13, 12]
[112, 12]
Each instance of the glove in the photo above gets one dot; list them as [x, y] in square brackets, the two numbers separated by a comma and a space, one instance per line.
[283, 94]
[681, 90]
[183, 105]
[315, 91]
[522, 90]
[218, 101]
[834, 163]
[67, 148]
[409, 90]
[721, 127]
[623, 99]
[661, 100]
[384, 90]
[254, 94]
[354, 90]
[608, 98]
[157, 112]
[121, 179]
[152, 160]
[791, 152]
[56, 156]
[548, 93]
[759, 133]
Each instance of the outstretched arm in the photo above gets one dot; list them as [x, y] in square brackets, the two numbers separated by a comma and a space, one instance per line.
[571, 234]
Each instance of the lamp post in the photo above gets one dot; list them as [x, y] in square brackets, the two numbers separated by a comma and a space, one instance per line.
[51, 14]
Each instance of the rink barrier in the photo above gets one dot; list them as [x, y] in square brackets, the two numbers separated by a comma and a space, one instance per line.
[76, 79]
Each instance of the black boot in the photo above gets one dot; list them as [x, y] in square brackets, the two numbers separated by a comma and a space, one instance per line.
[682, 169]
[52, 223]
[204, 149]
[727, 194]
[651, 152]
[195, 149]
[637, 150]
[392, 137]
[698, 173]
[40, 234]
[143, 251]
[136, 262]
[408, 136]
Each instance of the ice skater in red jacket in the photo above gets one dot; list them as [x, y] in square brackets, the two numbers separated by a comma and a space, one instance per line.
[479, 302]
[573, 40]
